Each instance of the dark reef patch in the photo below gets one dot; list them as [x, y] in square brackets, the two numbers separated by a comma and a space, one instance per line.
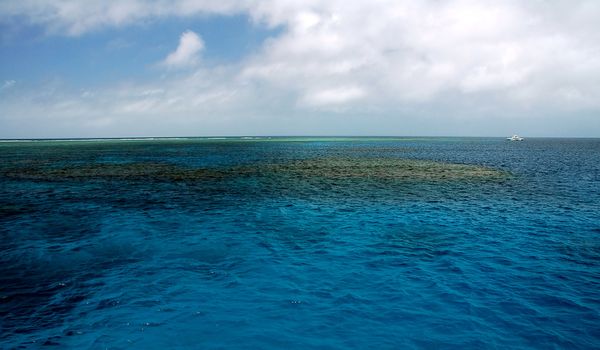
[337, 168]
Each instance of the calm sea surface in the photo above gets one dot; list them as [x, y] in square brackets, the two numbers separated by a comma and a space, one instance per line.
[300, 243]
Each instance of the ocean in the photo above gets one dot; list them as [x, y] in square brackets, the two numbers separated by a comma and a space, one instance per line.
[300, 243]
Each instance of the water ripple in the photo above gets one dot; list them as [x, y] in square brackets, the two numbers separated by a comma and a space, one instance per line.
[346, 243]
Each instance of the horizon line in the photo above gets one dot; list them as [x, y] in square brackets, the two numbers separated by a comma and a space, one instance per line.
[254, 137]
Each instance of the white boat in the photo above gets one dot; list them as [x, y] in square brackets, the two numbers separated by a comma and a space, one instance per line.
[515, 138]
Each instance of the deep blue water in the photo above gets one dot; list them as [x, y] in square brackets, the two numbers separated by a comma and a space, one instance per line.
[217, 244]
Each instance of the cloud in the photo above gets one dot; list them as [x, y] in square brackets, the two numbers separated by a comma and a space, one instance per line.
[399, 61]
[187, 53]
[333, 96]
[415, 52]
[7, 84]
[76, 18]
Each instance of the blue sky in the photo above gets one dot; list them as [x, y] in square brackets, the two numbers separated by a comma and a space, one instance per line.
[155, 68]
[31, 56]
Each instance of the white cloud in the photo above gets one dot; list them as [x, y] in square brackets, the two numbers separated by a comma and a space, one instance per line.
[75, 18]
[187, 53]
[7, 84]
[333, 96]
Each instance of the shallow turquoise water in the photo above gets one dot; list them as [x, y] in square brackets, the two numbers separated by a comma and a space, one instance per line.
[300, 243]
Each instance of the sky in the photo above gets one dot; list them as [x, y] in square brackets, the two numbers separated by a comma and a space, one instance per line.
[102, 68]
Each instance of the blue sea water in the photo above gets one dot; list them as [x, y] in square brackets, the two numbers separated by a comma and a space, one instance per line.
[260, 243]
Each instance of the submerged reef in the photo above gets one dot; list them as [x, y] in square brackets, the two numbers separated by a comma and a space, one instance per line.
[147, 171]
[384, 169]
[330, 168]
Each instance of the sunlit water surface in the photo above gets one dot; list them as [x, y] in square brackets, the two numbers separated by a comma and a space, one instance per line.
[300, 243]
